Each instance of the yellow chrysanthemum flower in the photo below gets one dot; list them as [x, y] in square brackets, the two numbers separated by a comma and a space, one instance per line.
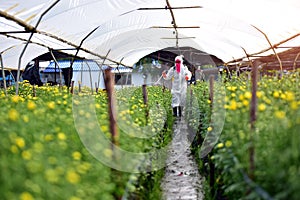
[13, 115]
[76, 155]
[14, 149]
[51, 176]
[280, 114]
[228, 143]
[26, 196]
[245, 102]
[233, 105]
[220, 145]
[75, 198]
[294, 105]
[209, 129]
[48, 137]
[31, 105]
[276, 94]
[26, 155]
[259, 94]
[290, 96]
[15, 99]
[25, 118]
[51, 105]
[61, 136]
[20, 142]
[248, 95]
[261, 107]
[72, 177]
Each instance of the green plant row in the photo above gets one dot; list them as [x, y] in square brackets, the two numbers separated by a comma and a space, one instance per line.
[43, 157]
[274, 137]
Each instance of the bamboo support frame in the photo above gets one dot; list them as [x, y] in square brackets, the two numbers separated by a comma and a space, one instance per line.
[173, 8]
[3, 75]
[173, 21]
[296, 58]
[100, 67]
[91, 80]
[30, 28]
[55, 60]
[272, 47]
[28, 41]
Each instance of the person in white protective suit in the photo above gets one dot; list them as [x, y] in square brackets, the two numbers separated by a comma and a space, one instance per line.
[179, 74]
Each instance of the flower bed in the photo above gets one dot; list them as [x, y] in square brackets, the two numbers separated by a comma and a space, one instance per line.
[42, 155]
[274, 137]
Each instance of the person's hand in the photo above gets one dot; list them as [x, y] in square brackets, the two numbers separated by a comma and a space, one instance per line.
[187, 78]
[164, 74]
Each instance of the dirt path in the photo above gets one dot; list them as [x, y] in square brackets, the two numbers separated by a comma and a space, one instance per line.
[181, 180]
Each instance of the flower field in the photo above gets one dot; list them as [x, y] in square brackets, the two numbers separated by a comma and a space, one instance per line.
[43, 157]
[274, 172]
[50, 150]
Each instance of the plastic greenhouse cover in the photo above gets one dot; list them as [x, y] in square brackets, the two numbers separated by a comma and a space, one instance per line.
[127, 30]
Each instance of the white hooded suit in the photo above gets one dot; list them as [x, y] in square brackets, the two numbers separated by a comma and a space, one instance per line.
[180, 75]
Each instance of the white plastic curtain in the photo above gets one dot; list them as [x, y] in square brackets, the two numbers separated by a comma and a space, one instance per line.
[131, 29]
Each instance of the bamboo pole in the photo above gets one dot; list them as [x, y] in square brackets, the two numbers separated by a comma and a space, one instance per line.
[91, 79]
[55, 60]
[27, 43]
[3, 75]
[173, 21]
[100, 67]
[296, 58]
[272, 47]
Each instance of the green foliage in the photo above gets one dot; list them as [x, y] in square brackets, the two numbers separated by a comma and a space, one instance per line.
[276, 139]
[42, 156]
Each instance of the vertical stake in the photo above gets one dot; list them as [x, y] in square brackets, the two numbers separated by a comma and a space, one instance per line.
[33, 91]
[211, 90]
[79, 86]
[96, 86]
[253, 108]
[211, 164]
[109, 85]
[145, 98]
[72, 87]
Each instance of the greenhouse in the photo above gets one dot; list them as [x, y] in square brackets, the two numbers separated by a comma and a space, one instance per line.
[140, 99]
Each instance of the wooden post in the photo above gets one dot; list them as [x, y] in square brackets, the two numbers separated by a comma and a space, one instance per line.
[96, 86]
[145, 98]
[109, 85]
[211, 164]
[72, 87]
[189, 111]
[211, 90]
[253, 108]
[33, 91]
[79, 86]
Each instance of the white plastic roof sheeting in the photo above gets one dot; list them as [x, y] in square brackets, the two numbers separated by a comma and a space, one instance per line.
[127, 31]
